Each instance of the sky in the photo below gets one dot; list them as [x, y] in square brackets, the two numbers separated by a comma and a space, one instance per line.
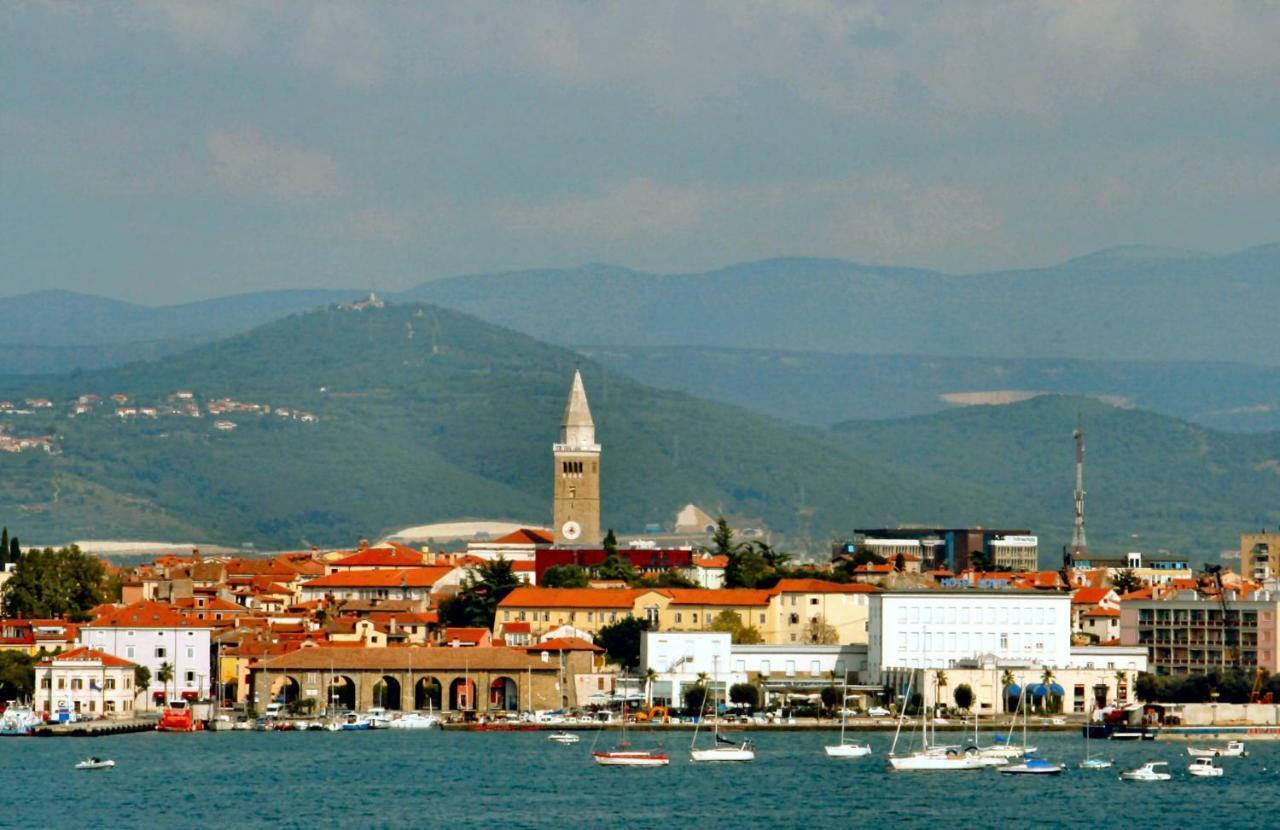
[168, 151]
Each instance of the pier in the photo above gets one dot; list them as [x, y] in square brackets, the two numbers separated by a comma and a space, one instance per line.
[94, 728]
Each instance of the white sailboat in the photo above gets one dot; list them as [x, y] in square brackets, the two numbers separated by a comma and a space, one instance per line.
[1089, 761]
[846, 748]
[929, 758]
[622, 755]
[723, 749]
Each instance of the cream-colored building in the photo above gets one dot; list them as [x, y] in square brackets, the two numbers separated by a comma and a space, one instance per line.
[85, 681]
[817, 612]
[1260, 556]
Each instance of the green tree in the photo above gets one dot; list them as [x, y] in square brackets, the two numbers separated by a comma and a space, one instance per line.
[1147, 687]
[63, 583]
[564, 576]
[722, 543]
[739, 632]
[650, 677]
[695, 697]
[821, 633]
[610, 544]
[621, 641]
[979, 561]
[671, 578]
[830, 697]
[164, 676]
[1053, 702]
[963, 696]
[4, 547]
[141, 679]
[1125, 582]
[1008, 681]
[15, 549]
[17, 675]
[615, 567]
[476, 604]
[744, 694]
[746, 569]
[773, 558]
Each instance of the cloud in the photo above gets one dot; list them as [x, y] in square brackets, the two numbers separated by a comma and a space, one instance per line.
[245, 162]
[639, 207]
[378, 224]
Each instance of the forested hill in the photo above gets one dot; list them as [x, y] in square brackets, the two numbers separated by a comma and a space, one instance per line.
[1151, 481]
[403, 415]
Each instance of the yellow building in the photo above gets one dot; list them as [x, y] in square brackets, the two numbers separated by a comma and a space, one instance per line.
[818, 612]
[1260, 556]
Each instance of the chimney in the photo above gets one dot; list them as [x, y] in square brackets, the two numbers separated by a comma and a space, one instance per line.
[364, 544]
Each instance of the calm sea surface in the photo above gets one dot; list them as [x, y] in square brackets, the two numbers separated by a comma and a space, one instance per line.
[434, 779]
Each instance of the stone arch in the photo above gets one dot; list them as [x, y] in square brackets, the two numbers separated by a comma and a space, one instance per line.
[285, 689]
[428, 693]
[341, 692]
[386, 692]
[504, 694]
[462, 694]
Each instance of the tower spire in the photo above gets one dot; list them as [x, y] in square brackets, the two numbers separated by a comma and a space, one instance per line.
[577, 429]
[1078, 544]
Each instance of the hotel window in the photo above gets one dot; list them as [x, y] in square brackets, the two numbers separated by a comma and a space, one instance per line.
[44, 683]
[191, 677]
[111, 683]
[111, 705]
[1004, 642]
[694, 617]
[128, 652]
[160, 651]
[762, 619]
[520, 615]
[813, 600]
[191, 652]
[62, 683]
[679, 617]
[964, 614]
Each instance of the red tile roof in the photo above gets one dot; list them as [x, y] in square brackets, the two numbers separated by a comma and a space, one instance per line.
[1089, 596]
[397, 557]
[525, 536]
[146, 615]
[722, 596]
[821, 586]
[563, 644]
[465, 635]
[711, 561]
[89, 655]
[1102, 612]
[516, 627]
[385, 578]
[530, 597]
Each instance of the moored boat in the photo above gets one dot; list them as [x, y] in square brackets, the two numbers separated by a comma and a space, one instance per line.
[1233, 749]
[1205, 768]
[415, 720]
[18, 720]
[563, 737]
[1032, 766]
[1150, 771]
[630, 758]
[96, 763]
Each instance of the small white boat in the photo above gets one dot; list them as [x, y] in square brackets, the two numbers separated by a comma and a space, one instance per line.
[1032, 766]
[1205, 768]
[848, 750]
[630, 758]
[725, 751]
[933, 760]
[1150, 771]
[1095, 763]
[96, 763]
[1233, 749]
[563, 737]
[415, 720]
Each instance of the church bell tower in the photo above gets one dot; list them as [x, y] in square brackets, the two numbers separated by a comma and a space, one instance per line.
[575, 510]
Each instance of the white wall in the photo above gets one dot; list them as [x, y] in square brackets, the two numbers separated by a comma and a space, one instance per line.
[936, 629]
[186, 649]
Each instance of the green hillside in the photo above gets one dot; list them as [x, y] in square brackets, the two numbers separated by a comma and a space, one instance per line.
[1151, 481]
[423, 415]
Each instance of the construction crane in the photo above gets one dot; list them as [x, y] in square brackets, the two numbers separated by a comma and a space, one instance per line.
[1230, 653]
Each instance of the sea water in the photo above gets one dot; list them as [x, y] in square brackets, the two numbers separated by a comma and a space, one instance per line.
[433, 779]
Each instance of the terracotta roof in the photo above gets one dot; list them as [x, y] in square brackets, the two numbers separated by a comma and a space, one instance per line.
[146, 615]
[465, 635]
[516, 627]
[386, 578]
[821, 586]
[404, 617]
[89, 655]
[398, 557]
[403, 658]
[1102, 612]
[711, 562]
[525, 536]
[722, 596]
[530, 597]
[1089, 596]
[563, 644]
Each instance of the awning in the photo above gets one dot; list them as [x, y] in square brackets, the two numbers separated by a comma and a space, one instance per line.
[1055, 689]
[1012, 690]
[1037, 690]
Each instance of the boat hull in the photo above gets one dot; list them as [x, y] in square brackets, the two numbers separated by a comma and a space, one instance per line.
[929, 762]
[848, 751]
[630, 759]
[722, 754]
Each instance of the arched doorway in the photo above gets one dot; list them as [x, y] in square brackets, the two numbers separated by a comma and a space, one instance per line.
[386, 692]
[428, 694]
[504, 694]
[285, 689]
[341, 693]
[462, 694]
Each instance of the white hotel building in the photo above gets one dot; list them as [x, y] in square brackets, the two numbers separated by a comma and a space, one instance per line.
[152, 634]
[976, 635]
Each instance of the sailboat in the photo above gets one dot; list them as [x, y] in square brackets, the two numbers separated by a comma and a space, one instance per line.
[622, 755]
[1031, 765]
[1089, 761]
[723, 749]
[846, 748]
[929, 758]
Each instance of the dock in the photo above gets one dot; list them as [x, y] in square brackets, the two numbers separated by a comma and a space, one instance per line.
[94, 728]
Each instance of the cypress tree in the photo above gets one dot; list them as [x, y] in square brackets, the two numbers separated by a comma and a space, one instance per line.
[4, 547]
[15, 552]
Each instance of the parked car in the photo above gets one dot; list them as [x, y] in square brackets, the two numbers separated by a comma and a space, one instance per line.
[878, 712]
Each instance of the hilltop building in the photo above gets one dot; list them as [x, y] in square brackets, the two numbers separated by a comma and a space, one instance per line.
[576, 506]
[1260, 555]
[939, 547]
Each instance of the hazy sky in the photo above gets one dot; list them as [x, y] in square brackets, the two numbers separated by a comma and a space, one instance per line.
[173, 150]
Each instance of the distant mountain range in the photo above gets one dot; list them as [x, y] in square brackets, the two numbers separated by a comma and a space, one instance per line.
[427, 414]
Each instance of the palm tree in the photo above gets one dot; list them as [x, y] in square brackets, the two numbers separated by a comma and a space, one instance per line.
[1047, 678]
[1006, 680]
[164, 676]
[939, 683]
[1122, 679]
[650, 677]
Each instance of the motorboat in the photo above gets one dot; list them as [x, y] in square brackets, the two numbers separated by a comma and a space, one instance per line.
[1127, 734]
[1032, 766]
[563, 737]
[96, 763]
[356, 722]
[1150, 771]
[1095, 763]
[19, 720]
[378, 718]
[1205, 768]
[1233, 749]
[415, 720]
